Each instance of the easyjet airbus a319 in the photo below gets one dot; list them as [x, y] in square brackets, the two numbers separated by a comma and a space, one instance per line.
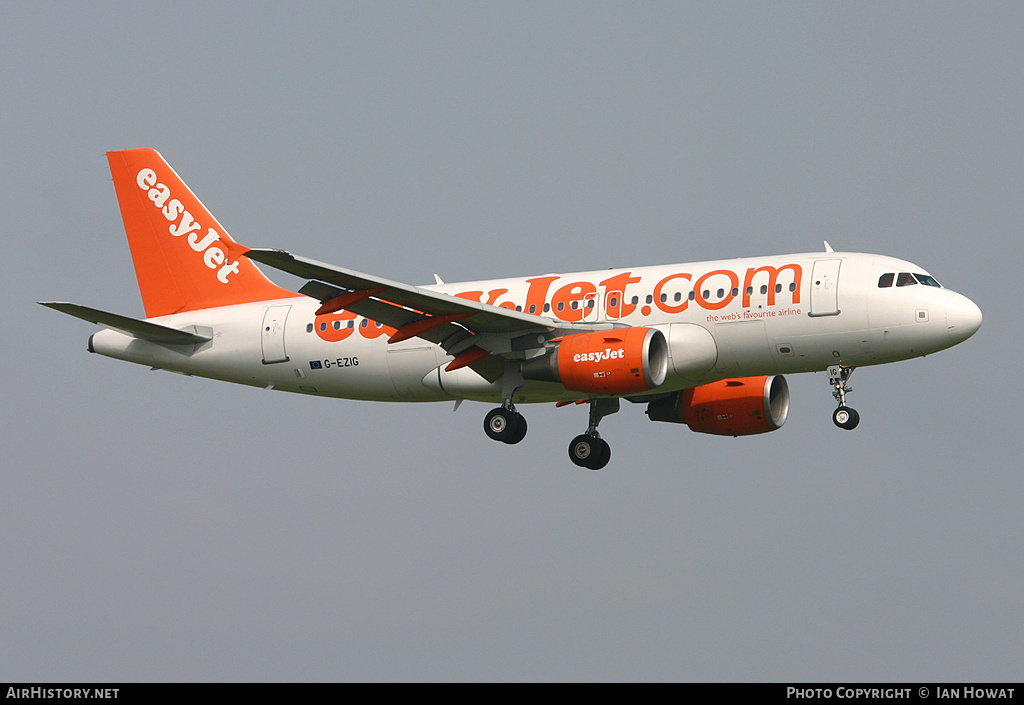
[703, 344]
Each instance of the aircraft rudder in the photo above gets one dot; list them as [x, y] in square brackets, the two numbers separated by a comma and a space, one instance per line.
[184, 258]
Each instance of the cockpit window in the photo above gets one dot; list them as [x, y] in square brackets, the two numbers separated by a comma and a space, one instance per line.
[906, 279]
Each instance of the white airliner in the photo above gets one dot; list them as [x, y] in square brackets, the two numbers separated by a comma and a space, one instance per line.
[703, 343]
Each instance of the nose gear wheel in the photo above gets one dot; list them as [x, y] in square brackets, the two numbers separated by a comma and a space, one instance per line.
[845, 417]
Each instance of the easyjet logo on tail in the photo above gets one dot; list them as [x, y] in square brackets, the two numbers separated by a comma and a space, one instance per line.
[184, 224]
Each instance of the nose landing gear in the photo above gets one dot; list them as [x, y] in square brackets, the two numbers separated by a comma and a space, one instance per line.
[844, 417]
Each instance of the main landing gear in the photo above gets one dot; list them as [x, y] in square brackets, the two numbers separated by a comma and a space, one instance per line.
[505, 424]
[843, 417]
[587, 450]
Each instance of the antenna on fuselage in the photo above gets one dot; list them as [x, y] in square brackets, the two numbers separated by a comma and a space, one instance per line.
[828, 247]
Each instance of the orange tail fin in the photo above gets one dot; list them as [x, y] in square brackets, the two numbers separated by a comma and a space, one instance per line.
[184, 260]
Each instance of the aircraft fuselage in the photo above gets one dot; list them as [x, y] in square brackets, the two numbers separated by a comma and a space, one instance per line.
[722, 319]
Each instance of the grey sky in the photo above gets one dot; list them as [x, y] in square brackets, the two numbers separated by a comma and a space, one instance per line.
[157, 527]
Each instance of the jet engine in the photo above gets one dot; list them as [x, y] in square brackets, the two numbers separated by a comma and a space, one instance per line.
[729, 407]
[617, 361]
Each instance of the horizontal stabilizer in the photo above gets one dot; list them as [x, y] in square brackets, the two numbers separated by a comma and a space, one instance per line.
[144, 330]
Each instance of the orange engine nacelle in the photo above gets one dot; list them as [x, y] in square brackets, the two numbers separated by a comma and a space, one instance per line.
[617, 361]
[729, 407]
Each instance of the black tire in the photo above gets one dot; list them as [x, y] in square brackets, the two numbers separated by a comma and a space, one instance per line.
[846, 418]
[602, 456]
[519, 430]
[500, 424]
[580, 450]
[589, 452]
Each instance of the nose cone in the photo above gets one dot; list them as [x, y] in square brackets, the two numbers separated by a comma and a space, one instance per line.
[963, 318]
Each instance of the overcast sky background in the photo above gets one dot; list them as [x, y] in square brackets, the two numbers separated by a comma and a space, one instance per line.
[158, 527]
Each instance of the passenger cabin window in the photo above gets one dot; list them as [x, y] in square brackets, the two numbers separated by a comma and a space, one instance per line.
[905, 279]
[885, 280]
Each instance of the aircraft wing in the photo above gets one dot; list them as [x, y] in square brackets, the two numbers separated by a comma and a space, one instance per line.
[452, 322]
